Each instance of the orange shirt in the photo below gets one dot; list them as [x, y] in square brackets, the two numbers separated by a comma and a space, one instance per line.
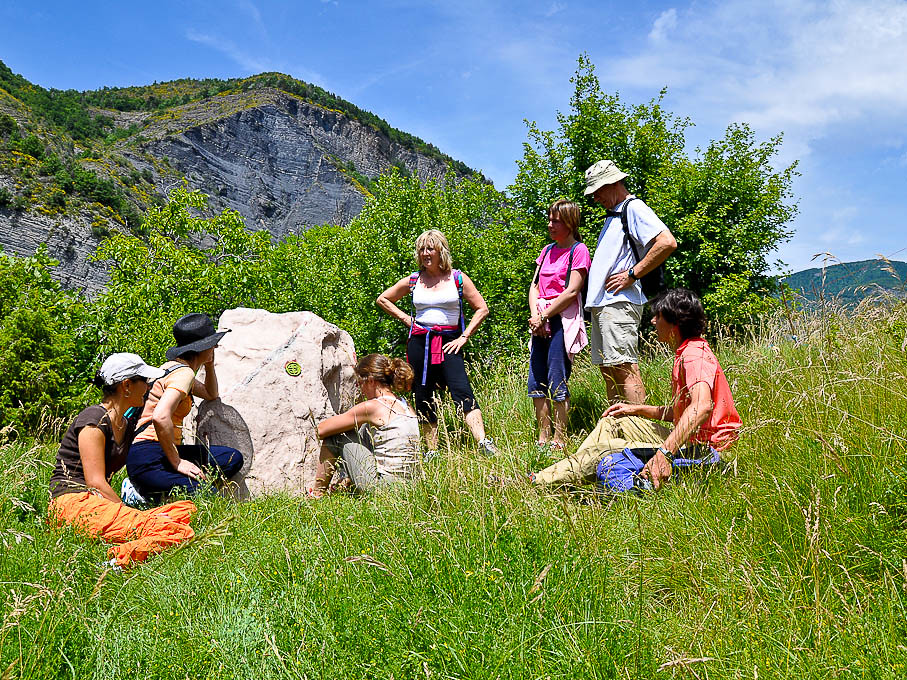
[180, 380]
[694, 362]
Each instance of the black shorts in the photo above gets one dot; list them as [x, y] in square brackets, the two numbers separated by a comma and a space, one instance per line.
[449, 374]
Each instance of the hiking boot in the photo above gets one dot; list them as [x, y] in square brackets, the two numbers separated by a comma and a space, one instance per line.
[487, 447]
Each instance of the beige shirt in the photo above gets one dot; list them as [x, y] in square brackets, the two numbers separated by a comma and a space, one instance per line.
[180, 380]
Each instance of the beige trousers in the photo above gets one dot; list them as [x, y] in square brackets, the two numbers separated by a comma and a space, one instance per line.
[611, 434]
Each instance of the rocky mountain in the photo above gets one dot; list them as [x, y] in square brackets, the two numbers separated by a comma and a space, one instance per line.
[285, 154]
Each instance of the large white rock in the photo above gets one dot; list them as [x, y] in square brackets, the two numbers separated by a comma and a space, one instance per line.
[265, 410]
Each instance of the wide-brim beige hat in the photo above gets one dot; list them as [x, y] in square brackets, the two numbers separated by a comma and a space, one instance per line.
[600, 174]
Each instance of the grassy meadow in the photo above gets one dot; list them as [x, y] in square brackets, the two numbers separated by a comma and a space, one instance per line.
[788, 562]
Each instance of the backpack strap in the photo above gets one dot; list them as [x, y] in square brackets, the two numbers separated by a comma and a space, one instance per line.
[569, 266]
[458, 281]
[624, 224]
[544, 255]
[413, 280]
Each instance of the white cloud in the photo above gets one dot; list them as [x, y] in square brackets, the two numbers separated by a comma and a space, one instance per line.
[249, 63]
[838, 236]
[378, 76]
[664, 24]
[251, 9]
[792, 65]
[555, 8]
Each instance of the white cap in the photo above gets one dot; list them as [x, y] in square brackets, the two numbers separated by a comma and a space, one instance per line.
[124, 365]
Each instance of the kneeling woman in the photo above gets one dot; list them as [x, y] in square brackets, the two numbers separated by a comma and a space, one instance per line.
[159, 463]
[377, 439]
[93, 449]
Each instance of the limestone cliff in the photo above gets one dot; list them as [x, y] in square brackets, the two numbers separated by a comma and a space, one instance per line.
[283, 162]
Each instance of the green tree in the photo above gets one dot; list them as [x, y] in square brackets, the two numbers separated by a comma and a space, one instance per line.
[334, 271]
[343, 270]
[727, 206]
[48, 344]
[154, 281]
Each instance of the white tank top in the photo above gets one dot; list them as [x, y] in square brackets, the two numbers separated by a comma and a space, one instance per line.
[438, 306]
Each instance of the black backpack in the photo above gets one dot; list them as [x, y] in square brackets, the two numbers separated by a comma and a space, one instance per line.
[653, 282]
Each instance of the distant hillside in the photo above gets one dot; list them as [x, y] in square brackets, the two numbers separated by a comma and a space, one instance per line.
[850, 282]
[285, 154]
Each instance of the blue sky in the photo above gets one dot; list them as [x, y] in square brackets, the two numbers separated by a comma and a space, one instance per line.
[832, 76]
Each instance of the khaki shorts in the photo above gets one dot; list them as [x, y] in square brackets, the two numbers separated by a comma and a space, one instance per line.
[614, 335]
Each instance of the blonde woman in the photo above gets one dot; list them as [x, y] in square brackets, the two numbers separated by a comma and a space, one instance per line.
[437, 333]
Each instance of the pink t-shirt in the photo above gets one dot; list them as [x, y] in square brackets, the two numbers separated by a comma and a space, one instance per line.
[694, 362]
[554, 268]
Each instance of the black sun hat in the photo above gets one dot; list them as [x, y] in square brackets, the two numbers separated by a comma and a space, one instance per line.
[194, 333]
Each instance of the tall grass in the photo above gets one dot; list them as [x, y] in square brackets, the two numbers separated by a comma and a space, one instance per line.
[789, 561]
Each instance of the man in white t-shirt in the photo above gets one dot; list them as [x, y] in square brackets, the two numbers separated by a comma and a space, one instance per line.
[615, 296]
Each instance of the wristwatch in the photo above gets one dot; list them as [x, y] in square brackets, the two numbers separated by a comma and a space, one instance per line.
[632, 275]
[667, 454]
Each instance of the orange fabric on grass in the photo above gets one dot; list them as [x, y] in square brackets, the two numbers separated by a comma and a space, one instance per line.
[138, 533]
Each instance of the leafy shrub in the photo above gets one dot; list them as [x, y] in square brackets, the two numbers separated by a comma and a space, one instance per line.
[100, 229]
[57, 198]
[33, 146]
[64, 180]
[8, 125]
[51, 165]
[336, 272]
[6, 197]
[64, 109]
[47, 343]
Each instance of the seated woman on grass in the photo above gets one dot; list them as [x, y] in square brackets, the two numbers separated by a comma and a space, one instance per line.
[702, 408]
[93, 449]
[159, 463]
[377, 439]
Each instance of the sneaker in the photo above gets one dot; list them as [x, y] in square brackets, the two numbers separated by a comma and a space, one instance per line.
[130, 496]
[111, 565]
[487, 447]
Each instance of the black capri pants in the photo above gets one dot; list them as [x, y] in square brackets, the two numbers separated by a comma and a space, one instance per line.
[449, 374]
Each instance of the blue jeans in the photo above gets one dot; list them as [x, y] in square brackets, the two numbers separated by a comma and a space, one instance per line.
[549, 366]
[152, 475]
